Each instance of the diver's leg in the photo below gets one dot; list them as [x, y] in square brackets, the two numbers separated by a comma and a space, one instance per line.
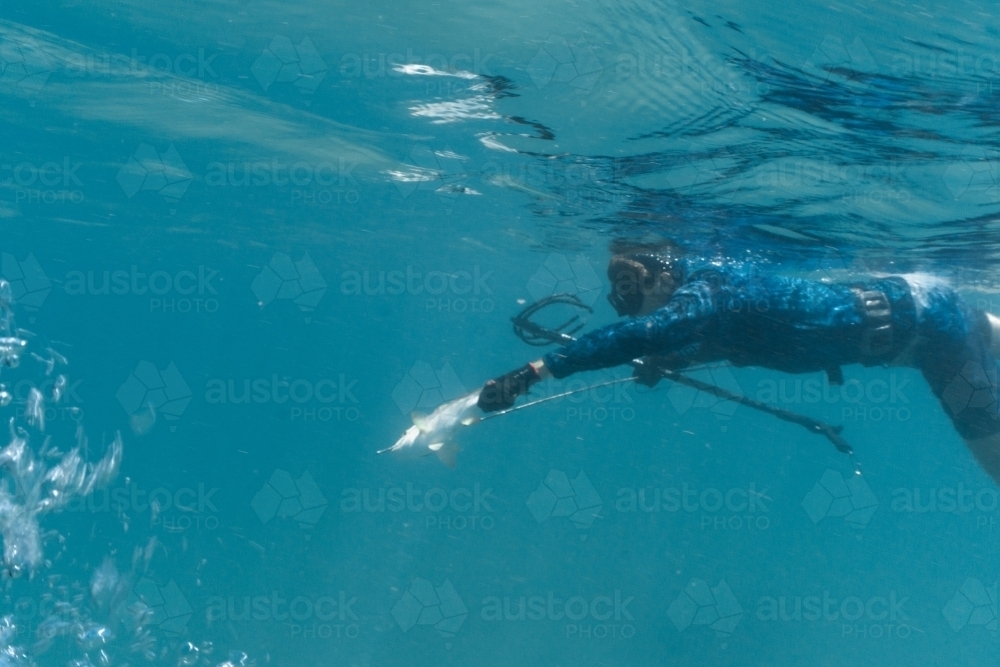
[963, 373]
[986, 448]
[987, 452]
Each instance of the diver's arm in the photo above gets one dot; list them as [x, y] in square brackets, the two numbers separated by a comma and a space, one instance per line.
[667, 330]
[662, 332]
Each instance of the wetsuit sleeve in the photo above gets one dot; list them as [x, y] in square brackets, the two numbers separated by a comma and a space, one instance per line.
[667, 330]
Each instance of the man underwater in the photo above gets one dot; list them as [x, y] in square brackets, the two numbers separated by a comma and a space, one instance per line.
[681, 312]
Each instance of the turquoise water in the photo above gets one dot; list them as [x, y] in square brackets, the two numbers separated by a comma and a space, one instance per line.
[262, 234]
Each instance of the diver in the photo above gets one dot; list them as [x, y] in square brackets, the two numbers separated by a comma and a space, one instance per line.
[682, 312]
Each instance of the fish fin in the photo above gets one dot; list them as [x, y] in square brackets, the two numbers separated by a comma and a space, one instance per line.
[434, 447]
[446, 454]
[469, 421]
[419, 420]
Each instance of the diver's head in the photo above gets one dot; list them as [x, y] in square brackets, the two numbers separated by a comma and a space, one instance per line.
[642, 282]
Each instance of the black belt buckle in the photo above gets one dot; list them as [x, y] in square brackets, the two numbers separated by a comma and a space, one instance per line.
[876, 339]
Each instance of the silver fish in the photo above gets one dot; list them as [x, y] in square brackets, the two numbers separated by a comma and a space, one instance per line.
[435, 433]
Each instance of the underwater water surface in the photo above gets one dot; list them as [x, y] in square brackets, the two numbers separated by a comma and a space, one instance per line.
[244, 240]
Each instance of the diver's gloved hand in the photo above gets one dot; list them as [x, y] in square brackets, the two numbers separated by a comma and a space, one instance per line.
[648, 373]
[500, 394]
[651, 370]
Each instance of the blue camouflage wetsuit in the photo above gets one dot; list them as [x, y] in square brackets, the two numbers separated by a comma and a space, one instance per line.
[797, 326]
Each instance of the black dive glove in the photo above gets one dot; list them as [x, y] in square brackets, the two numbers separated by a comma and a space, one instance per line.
[650, 371]
[500, 394]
